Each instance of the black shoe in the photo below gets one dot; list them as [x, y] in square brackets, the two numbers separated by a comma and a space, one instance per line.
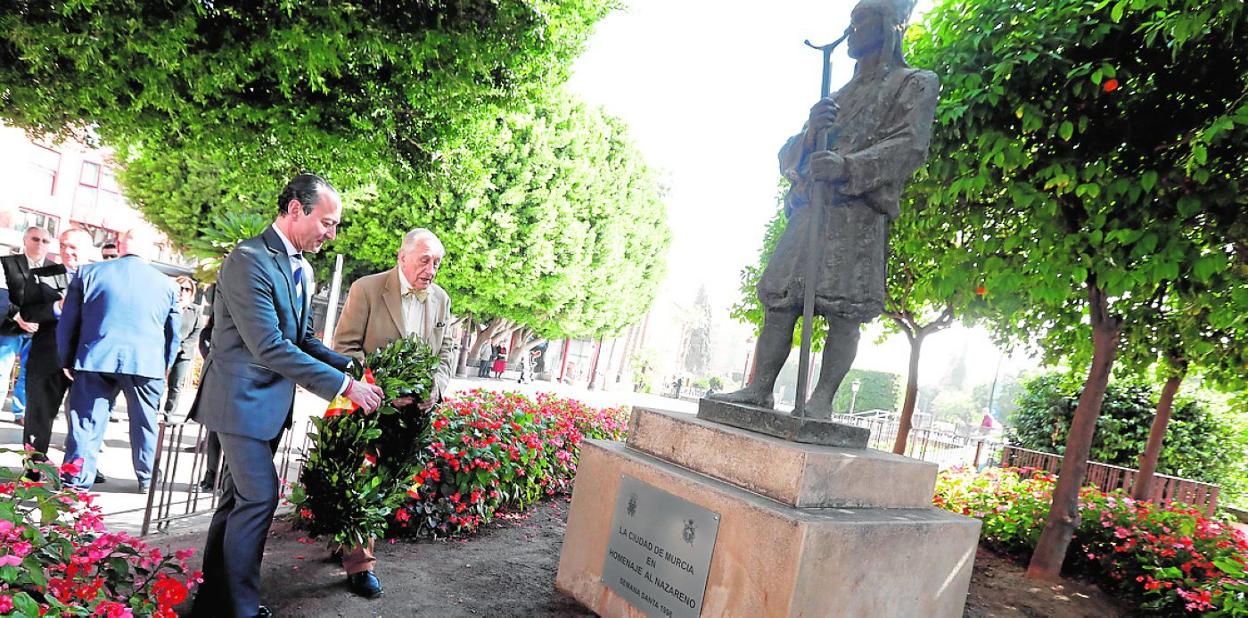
[207, 485]
[144, 488]
[365, 584]
[100, 478]
[264, 613]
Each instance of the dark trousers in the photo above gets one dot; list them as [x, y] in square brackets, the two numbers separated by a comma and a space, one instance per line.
[90, 403]
[239, 528]
[45, 393]
[483, 370]
[178, 374]
[212, 456]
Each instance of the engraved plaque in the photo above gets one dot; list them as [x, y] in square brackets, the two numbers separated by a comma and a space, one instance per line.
[659, 551]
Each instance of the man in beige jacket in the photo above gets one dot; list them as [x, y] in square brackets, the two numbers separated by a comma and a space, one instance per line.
[381, 308]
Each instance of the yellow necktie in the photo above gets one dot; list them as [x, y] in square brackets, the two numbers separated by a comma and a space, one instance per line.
[421, 295]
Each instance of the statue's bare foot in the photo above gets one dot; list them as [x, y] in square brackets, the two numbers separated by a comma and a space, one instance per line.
[819, 405]
[747, 396]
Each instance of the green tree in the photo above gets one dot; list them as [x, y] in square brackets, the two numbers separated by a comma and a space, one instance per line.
[877, 390]
[565, 237]
[212, 105]
[919, 293]
[442, 116]
[1204, 442]
[1085, 205]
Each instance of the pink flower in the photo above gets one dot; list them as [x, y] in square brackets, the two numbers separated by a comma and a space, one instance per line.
[6, 604]
[10, 560]
[71, 468]
[22, 548]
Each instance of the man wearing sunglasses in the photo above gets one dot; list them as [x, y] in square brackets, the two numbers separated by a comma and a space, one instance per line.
[15, 330]
[46, 383]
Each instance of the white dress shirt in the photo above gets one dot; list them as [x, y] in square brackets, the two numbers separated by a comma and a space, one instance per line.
[296, 261]
[413, 308]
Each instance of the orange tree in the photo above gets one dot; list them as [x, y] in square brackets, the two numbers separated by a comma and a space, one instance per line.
[1094, 146]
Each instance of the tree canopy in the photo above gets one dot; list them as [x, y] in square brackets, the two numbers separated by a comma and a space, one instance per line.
[1086, 205]
[444, 115]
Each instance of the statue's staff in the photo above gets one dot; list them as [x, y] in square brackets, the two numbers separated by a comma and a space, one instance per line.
[814, 258]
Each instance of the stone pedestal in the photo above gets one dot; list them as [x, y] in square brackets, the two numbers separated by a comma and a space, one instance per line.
[804, 530]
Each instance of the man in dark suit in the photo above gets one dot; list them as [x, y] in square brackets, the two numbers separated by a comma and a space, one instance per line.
[262, 346]
[118, 333]
[15, 328]
[46, 382]
[189, 336]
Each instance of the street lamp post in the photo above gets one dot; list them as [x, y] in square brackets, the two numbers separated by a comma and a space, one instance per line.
[853, 400]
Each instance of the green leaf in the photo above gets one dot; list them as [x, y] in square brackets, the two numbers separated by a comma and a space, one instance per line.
[1066, 130]
[26, 605]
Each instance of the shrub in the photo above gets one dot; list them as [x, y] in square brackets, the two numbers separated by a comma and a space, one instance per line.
[1201, 442]
[58, 559]
[1170, 560]
[488, 451]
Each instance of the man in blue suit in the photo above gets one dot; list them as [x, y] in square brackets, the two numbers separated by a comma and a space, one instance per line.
[262, 346]
[118, 333]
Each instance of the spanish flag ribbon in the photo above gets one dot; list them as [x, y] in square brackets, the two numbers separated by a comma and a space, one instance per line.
[344, 406]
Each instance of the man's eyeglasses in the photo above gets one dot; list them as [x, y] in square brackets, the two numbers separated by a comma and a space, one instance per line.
[109, 257]
[46, 241]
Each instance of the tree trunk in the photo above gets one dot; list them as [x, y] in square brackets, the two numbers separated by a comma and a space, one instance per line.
[912, 392]
[461, 365]
[1063, 519]
[749, 379]
[593, 367]
[563, 359]
[1156, 434]
[526, 337]
[492, 330]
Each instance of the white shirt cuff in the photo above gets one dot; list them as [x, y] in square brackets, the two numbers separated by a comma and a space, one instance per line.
[346, 381]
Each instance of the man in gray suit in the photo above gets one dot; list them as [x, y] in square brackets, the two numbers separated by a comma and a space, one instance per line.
[262, 347]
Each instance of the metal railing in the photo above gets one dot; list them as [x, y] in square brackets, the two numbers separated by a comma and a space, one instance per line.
[1107, 477]
[946, 448]
[175, 492]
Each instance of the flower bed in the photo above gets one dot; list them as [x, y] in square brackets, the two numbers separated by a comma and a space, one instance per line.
[58, 559]
[489, 451]
[1169, 559]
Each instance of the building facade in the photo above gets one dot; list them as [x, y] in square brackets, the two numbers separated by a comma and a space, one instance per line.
[64, 185]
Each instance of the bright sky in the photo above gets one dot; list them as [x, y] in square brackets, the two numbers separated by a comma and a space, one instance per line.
[711, 90]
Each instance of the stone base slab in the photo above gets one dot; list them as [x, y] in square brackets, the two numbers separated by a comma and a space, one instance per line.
[796, 474]
[774, 560]
[781, 425]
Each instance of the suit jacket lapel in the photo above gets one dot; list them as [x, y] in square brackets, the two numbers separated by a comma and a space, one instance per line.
[393, 296]
[432, 310]
[277, 250]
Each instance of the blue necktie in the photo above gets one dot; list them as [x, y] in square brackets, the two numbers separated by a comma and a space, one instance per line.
[298, 280]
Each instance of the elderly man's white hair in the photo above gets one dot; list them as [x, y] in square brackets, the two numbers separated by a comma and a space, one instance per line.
[414, 237]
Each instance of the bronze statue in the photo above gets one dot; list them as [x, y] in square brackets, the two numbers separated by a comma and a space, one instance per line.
[861, 144]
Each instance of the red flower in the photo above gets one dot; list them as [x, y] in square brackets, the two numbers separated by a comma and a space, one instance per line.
[981, 290]
[71, 468]
[169, 591]
[370, 459]
[1110, 85]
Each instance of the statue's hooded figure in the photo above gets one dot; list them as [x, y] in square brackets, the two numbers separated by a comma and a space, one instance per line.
[882, 130]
